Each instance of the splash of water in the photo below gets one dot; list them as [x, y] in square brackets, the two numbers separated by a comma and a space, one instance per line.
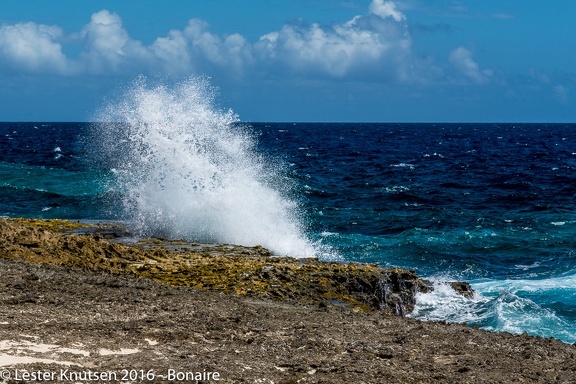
[495, 307]
[188, 170]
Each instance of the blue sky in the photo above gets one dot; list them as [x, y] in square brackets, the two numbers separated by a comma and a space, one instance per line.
[296, 60]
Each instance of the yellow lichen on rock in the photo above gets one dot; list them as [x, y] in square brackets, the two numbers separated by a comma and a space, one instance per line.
[56, 225]
[249, 271]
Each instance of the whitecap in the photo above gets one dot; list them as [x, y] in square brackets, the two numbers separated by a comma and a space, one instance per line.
[498, 306]
[403, 165]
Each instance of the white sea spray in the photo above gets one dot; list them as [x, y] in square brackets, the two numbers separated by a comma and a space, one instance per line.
[189, 170]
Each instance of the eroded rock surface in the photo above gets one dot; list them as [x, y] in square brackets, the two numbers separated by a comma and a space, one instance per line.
[246, 271]
[68, 318]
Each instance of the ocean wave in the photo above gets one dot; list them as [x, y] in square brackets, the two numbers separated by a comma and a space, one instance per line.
[500, 306]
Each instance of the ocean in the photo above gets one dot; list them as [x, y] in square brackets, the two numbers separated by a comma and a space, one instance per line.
[491, 204]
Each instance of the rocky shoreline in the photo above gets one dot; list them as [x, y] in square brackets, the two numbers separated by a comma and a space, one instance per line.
[246, 271]
[83, 297]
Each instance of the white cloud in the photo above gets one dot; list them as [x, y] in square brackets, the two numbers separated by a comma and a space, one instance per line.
[108, 47]
[461, 60]
[561, 93]
[32, 47]
[374, 47]
[229, 52]
[378, 41]
[386, 9]
[172, 53]
[374, 44]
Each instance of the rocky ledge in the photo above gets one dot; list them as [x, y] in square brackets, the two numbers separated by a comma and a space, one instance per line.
[246, 271]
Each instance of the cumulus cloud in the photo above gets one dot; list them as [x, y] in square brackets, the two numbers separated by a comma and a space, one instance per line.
[32, 47]
[462, 61]
[376, 43]
[386, 9]
[108, 46]
[375, 46]
[172, 52]
[232, 51]
[561, 93]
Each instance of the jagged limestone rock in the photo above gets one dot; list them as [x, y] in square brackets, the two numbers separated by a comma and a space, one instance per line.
[247, 271]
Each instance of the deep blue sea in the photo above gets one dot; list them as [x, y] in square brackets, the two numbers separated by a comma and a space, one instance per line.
[492, 204]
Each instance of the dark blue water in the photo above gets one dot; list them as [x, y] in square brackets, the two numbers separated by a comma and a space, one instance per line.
[492, 204]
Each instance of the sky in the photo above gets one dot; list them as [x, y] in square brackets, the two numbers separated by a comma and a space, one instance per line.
[296, 60]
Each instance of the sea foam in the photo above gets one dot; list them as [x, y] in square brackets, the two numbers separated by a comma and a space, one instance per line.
[188, 170]
[498, 306]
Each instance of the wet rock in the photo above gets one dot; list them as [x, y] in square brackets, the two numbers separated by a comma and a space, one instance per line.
[463, 288]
